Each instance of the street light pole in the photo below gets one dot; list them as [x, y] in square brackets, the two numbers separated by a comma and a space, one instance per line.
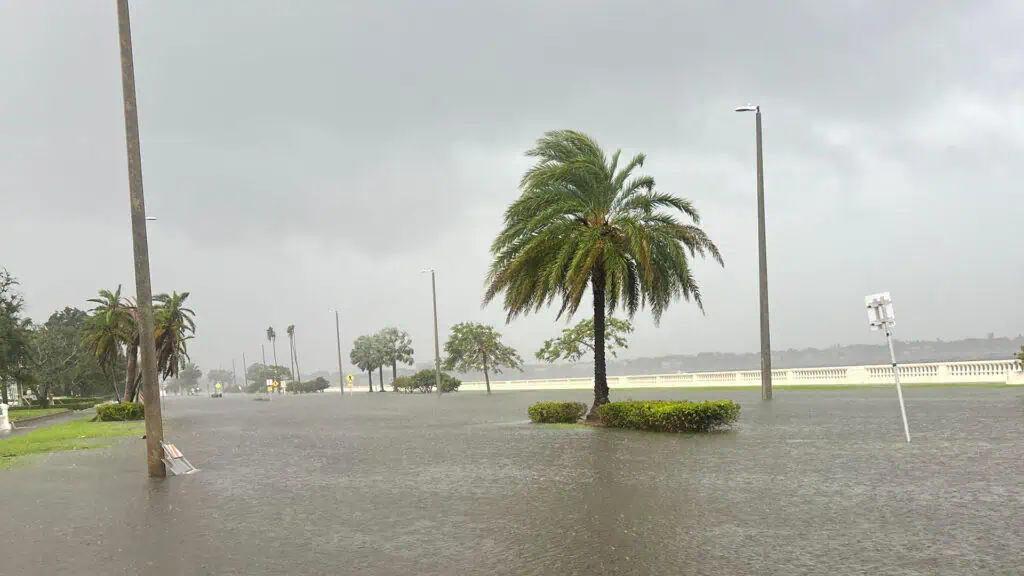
[437, 345]
[337, 334]
[762, 257]
[140, 246]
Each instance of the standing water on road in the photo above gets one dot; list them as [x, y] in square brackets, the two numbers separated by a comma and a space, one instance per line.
[817, 482]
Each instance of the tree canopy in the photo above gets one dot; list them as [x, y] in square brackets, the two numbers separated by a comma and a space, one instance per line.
[578, 340]
[583, 221]
[474, 346]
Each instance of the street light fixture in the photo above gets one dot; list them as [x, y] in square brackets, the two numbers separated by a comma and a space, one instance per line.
[437, 346]
[150, 218]
[337, 333]
[766, 347]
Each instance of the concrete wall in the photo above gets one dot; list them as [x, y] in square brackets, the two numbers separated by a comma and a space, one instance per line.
[980, 372]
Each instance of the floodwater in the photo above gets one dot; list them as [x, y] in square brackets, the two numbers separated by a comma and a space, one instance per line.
[816, 482]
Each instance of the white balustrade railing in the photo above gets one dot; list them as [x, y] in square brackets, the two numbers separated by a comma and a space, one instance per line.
[976, 372]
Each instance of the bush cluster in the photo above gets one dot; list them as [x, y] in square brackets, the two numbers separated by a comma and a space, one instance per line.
[669, 415]
[120, 412]
[318, 385]
[424, 381]
[557, 412]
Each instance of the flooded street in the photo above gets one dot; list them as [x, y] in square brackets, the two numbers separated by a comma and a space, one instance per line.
[817, 482]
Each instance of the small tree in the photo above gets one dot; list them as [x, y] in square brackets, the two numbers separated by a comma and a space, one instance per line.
[362, 356]
[397, 347]
[1021, 356]
[579, 340]
[474, 346]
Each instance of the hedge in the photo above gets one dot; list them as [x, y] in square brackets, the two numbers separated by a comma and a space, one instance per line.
[557, 412]
[669, 415]
[318, 385]
[424, 381]
[120, 412]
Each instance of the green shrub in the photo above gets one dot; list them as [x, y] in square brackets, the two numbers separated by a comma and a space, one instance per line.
[557, 412]
[424, 381]
[120, 412]
[669, 415]
[318, 385]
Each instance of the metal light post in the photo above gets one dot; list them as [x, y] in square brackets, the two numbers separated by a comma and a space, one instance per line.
[762, 257]
[437, 346]
[882, 317]
[140, 246]
[337, 334]
[245, 374]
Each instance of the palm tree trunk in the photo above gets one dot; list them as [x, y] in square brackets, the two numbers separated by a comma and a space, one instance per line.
[600, 370]
[295, 353]
[131, 372]
[291, 355]
[487, 378]
[370, 372]
[394, 371]
[274, 344]
[113, 383]
[3, 391]
[380, 372]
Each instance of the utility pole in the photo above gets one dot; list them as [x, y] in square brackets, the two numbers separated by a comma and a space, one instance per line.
[263, 352]
[234, 376]
[245, 375]
[437, 346]
[140, 247]
[762, 262]
[337, 334]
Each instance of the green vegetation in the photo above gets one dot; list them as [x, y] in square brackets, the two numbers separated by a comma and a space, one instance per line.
[424, 381]
[474, 346]
[17, 414]
[258, 374]
[318, 385]
[120, 412]
[1021, 355]
[670, 415]
[557, 412]
[583, 222]
[578, 341]
[75, 435]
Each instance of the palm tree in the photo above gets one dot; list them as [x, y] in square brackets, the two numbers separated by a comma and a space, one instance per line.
[362, 355]
[107, 330]
[292, 348]
[583, 222]
[397, 348]
[175, 326]
[272, 338]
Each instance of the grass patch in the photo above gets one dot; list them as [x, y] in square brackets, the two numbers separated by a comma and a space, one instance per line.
[24, 414]
[75, 435]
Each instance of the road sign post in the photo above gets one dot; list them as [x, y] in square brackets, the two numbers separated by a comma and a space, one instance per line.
[882, 317]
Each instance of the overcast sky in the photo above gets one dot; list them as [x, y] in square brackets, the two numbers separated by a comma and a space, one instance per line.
[306, 155]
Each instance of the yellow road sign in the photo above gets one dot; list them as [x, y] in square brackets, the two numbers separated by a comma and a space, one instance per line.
[350, 378]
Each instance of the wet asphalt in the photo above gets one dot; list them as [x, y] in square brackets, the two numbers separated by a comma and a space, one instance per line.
[816, 482]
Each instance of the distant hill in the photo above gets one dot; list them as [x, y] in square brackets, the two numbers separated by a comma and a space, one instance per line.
[856, 354]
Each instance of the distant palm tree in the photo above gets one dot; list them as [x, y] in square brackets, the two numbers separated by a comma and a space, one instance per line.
[175, 326]
[583, 222]
[107, 330]
[272, 338]
[363, 356]
[293, 350]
